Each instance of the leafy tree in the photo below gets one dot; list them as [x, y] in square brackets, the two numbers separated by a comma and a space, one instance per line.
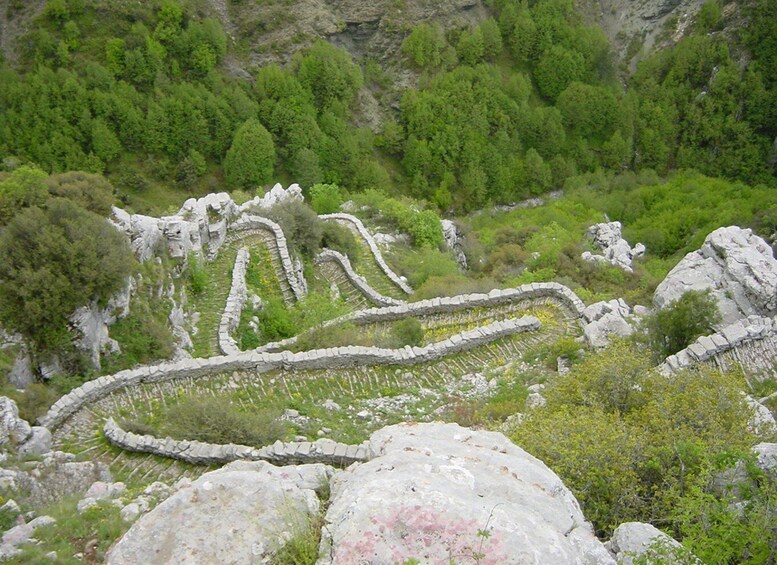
[325, 198]
[55, 260]
[104, 142]
[300, 225]
[424, 46]
[492, 39]
[330, 74]
[674, 327]
[23, 188]
[557, 68]
[251, 158]
[91, 192]
[471, 46]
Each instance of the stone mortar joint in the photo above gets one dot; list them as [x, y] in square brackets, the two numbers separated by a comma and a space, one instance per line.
[367, 236]
[706, 348]
[356, 280]
[325, 451]
[230, 317]
[330, 358]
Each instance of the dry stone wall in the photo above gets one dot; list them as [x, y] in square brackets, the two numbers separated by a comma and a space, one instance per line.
[200, 453]
[236, 300]
[254, 223]
[751, 343]
[367, 236]
[358, 281]
[331, 358]
[447, 304]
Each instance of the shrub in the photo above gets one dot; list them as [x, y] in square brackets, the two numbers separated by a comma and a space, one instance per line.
[275, 320]
[407, 332]
[337, 237]
[676, 326]
[218, 420]
[325, 198]
[300, 225]
[195, 273]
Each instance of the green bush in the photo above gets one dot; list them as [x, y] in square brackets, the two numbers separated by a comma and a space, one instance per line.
[218, 420]
[195, 274]
[677, 325]
[300, 225]
[325, 198]
[407, 332]
[275, 320]
[337, 237]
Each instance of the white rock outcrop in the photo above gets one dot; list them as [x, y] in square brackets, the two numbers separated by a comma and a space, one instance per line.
[200, 226]
[636, 539]
[615, 250]
[434, 491]
[239, 514]
[737, 266]
[767, 456]
[452, 239]
[275, 195]
[604, 319]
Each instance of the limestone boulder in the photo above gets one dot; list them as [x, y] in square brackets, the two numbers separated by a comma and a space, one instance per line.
[737, 266]
[239, 514]
[615, 250]
[767, 456]
[605, 319]
[434, 492]
[13, 429]
[275, 195]
[453, 241]
[633, 540]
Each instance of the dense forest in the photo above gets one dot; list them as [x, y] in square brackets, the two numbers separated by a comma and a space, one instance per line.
[501, 111]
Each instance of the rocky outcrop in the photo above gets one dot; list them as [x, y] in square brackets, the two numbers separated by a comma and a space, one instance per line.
[21, 534]
[200, 226]
[55, 476]
[452, 239]
[240, 514]
[634, 540]
[91, 323]
[430, 491]
[736, 266]
[615, 250]
[766, 454]
[433, 491]
[14, 430]
[605, 319]
[275, 195]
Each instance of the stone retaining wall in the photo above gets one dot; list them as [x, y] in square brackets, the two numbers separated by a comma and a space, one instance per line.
[367, 236]
[247, 223]
[448, 304]
[236, 301]
[716, 347]
[200, 453]
[330, 358]
[357, 280]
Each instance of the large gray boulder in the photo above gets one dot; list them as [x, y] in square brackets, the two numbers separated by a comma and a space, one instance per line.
[635, 539]
[615, 250]
[13, 429]
[767, 456]
[605, 319]
[239, 514]
[439, 492]
[737, 266]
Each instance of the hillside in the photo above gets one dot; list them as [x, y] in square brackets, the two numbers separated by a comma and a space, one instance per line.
[416, 282]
